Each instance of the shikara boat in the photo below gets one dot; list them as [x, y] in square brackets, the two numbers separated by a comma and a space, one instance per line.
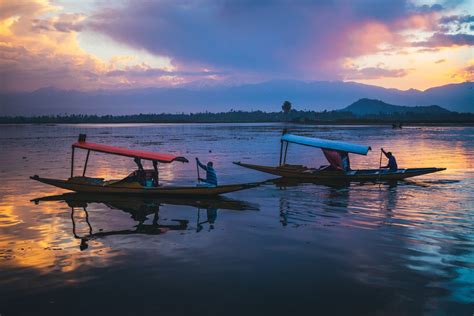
[139, 182]
[333, 172]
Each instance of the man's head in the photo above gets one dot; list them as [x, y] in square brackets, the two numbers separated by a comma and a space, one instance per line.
[389, 154]
[209, 164]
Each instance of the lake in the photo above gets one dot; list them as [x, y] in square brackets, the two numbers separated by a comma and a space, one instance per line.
[371, 249]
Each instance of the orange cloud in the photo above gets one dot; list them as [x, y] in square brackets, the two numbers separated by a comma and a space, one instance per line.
[39, 44]
[465, 74]
[38, 51]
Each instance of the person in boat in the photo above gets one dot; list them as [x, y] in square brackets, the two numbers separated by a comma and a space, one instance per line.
[155, 174]
[211, 176]
[146, 178]
[346, 164]
[339, 160]
[392, 162]
[141, 178]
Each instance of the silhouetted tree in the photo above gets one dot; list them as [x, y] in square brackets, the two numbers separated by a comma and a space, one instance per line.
[286, 107]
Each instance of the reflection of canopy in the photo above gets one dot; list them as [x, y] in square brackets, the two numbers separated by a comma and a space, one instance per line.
[164, 158]
[326, 144]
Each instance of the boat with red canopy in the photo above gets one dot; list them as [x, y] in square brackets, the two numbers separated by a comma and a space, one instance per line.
[140, 182]
[337, 154]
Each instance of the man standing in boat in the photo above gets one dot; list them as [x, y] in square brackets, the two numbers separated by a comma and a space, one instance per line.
[392, 162]
[211, 176]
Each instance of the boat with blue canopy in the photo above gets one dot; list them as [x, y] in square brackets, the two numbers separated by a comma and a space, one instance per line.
[337, 154]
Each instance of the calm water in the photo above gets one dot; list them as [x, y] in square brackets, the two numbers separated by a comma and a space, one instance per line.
[361, 249]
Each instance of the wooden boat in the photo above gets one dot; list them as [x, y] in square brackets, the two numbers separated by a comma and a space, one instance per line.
[334, 172]
[312, 174]
[139, 182]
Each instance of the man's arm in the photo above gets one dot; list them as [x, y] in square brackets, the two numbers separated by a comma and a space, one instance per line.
[384, 152]
[200, 164]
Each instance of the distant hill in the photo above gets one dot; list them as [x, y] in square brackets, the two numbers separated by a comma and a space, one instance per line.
[363, 111]
[266, 96]
[366, 106]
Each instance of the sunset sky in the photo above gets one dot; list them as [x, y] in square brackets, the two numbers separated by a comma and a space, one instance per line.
[88, 45]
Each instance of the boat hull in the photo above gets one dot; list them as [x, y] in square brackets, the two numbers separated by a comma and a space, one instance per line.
[123, 188]
[303, 173]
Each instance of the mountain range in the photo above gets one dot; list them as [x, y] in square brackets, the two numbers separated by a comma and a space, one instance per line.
[365, 107]
[266, 96]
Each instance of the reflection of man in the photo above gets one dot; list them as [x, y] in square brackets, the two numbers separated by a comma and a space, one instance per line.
[392, 162]
[211, 218]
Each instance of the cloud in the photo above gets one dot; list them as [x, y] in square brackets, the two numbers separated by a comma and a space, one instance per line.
[300, 39]
[439, 61]
[38, 50]
[65, 23]
[465, 74]
[31, 58]
[146, 71]
[220, 41]
[24, 8]
[447, 40]
[378, 72]
[457, 19]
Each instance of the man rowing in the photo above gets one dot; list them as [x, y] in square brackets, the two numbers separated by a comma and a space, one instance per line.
[392, 162]
[211, 176]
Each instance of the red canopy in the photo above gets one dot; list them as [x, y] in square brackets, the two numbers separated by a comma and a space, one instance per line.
[166, 158]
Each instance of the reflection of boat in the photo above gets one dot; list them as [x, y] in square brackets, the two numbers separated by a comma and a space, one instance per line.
[333, 150]
[134, 203]
[140, 209]
[141, 182]
[284, 183]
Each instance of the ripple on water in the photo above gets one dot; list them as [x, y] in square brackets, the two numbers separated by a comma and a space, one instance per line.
[408, 245]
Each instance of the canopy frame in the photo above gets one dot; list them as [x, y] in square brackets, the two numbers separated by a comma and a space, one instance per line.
[81, 143]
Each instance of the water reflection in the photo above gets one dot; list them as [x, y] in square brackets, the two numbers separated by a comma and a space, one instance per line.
[403, 249]
[350, 204]
[140, 209]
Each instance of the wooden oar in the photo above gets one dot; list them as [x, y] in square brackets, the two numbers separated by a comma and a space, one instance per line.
[380, 162]
[197, 169]
[380, 166]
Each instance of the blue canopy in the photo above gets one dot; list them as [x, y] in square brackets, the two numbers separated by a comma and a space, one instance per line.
[326, 144]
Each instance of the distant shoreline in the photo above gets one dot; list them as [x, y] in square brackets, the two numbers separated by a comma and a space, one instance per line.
[362, 112]
[325, 123]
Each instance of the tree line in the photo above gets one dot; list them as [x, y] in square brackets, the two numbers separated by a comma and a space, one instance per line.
[288, 114]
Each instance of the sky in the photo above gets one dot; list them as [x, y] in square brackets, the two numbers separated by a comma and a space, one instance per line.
[105, 44]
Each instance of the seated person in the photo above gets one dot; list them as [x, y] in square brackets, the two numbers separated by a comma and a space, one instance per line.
[141, 177]
[339, 160]
[346, 164]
